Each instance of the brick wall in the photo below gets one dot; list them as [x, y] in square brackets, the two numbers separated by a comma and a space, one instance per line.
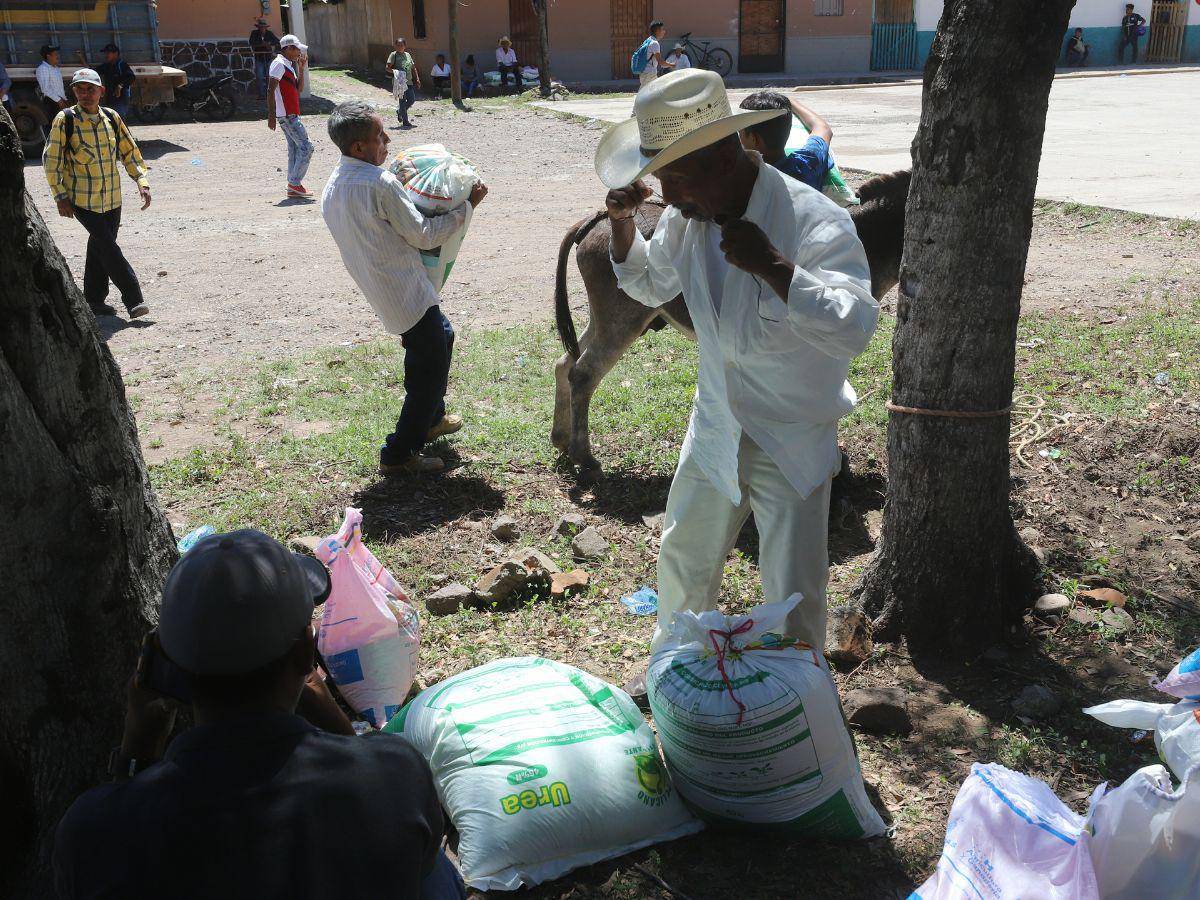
[204, 59]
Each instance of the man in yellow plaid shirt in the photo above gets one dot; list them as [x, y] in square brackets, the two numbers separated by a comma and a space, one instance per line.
[82, 152]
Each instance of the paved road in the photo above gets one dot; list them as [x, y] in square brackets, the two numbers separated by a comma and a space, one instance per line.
[1128, 142]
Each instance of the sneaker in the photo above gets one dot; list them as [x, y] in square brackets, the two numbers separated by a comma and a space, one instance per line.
[102, 309]
[299, 190]
[414, 465]
[408, 126]
[448, 425]
[138, 311]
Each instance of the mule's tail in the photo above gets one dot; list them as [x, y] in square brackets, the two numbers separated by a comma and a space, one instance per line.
[562, 301]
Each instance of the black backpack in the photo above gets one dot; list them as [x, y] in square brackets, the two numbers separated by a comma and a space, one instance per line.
[69, 124]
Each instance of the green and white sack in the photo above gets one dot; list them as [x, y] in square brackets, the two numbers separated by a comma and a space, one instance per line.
[543, 768]
[835, 187]
[751, 726]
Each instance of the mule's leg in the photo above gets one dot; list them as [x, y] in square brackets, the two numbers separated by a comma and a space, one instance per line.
[560, 432]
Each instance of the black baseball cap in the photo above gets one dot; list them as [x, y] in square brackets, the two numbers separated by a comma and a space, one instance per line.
[111, 48]
[236, 602]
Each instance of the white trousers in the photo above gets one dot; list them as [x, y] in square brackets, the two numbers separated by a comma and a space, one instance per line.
[701, 526]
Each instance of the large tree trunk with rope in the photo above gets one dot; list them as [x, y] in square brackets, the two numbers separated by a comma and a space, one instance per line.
[950, 572]
[85, 544]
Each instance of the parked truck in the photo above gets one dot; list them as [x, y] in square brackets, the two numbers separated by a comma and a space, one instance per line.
[80, 29]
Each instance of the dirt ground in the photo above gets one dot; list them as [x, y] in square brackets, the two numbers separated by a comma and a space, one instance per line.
[236, 274]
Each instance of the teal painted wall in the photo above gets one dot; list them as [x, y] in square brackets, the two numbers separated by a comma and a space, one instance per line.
[1103, 43]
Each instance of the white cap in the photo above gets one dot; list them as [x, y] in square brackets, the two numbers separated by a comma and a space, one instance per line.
[290, 40]
[87, 76]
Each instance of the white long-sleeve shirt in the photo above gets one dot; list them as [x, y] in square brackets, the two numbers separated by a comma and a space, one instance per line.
[50, 81]
[775, 370]
[380, 234]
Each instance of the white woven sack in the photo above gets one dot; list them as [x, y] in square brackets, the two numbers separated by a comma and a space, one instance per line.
[543, 768]
[1176, 727]
[751, 726]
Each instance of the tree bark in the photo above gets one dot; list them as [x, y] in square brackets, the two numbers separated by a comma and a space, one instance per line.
[543, 19]
[950, 572]
[86, 547]
[455, 62]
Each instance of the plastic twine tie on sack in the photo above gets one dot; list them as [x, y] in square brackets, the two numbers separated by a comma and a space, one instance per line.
[722, 649]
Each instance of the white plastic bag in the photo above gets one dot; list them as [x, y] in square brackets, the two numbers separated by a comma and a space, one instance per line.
[1184, 680]
[1009, 836]
[1145, 842]
[1176, 727]
[437, 181]
[751, 725]
[370, 635]
[543, 768]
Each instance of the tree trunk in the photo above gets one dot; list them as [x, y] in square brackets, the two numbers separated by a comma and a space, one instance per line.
[950, 572]
[543, 19]
[86, 547]
[455, 62]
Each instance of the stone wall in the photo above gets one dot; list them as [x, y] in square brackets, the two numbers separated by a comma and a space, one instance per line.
[204, 59]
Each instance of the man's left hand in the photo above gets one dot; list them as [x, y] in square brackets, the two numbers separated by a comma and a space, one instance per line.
[747, 246]
[145, 192]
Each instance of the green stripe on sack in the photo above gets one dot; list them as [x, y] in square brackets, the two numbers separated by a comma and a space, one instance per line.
[459, 680]
[663, 712]
[717, 685]
[524, 712]
[504, 754]
[395, 725]
[502, 695]
[722, 792]
[834, 819]
[709, 753]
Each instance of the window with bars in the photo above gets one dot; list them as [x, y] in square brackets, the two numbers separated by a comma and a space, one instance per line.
[828, 7]
[419, 32]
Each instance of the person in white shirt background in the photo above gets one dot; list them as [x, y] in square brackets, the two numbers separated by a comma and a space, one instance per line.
[655, 64]
[380, 233]
[506, 61]
[440, 74]
[285, 83]
[50, 82]
[678, 59]
[779, 290]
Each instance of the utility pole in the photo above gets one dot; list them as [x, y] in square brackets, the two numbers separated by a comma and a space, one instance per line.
[455, 62]
[541, 8]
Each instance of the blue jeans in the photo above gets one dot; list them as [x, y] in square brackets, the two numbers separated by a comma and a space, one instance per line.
[444, 882]
[468, 87]
[262, 69]
[300, 148]
[407, 99]
[428, 346]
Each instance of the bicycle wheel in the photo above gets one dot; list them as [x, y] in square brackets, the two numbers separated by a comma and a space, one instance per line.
[719, 61]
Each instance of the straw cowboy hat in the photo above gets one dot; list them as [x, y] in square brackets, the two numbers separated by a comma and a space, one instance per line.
[674, 115]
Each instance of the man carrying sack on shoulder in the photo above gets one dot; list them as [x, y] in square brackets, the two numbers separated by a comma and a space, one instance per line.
[779, 290]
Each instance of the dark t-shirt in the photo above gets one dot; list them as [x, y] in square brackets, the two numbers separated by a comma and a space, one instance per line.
[260, 806]
[117, 77]
[1130, 24]
[264, 45]
[809, 164]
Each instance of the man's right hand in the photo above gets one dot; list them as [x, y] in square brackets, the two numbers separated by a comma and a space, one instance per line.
[623, 203]
[477, 194]
[271, 122]
[65, 209]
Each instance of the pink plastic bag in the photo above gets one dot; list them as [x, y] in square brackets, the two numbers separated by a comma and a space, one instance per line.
[370, 635]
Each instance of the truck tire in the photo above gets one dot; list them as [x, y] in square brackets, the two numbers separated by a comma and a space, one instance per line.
[150, 114]
[32, 125]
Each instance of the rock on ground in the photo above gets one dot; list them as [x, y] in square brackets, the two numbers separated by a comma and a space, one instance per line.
[848, 641]
[570, 524]
[1117, 620]
[589, 544]
[1052, 607]
[1037, 701]
[502, 582]
[450, 599]
[505, 528]
[879, 710]
[536, 561]
[564, 583]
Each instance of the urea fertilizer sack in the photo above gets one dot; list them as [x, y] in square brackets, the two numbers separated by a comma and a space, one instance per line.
[437, 181]
[751, 726]
[543, 768]
[835, 188]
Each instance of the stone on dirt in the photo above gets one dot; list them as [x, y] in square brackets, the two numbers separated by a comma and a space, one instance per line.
[1082, 615]
[879, 710]
[848, 640]
[502, 582]
[1102, 597]
[1117, 620]
[589, 544]
[305, 543]
[505, 528]
[564, 583]
[1037, 701]
[1052, 607]
[570, 524]
[450, 599]
[654, 521]
[536, 561]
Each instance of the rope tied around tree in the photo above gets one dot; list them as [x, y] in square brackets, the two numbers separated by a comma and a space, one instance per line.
[948, 413]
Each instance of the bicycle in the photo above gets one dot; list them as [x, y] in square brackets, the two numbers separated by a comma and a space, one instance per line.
[706, 56]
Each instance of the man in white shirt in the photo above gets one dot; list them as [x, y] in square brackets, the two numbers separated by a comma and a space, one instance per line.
[285, 83]
[50, 82]
[380, 233]
[779, 290]
[678, 59]
[506, 61]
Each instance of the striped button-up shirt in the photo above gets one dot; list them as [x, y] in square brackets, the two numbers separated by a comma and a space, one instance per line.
[86, 172]
[380, 233]
[50, 82]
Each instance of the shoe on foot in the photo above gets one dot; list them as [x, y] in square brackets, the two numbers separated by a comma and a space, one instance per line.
[448, 425]
[138, 311]
[414, 465]
[298, 190]
[102, 309]
[407, 126]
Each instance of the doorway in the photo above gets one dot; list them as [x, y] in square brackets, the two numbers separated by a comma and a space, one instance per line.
[523, 30]
[629, 21]
[760, 36]
[894, 35]
[1168, 18]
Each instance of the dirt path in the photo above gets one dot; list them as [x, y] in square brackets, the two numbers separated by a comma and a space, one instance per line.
[235, 274]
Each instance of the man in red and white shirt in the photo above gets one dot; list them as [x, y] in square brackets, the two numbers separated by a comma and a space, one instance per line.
[286, 81]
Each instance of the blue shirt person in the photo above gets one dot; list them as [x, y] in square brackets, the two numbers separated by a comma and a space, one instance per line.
[810, 164]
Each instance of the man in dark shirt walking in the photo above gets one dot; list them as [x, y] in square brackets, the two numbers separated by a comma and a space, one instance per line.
[118, 79]
[269, 793]
[265, 46]
[1131, 25]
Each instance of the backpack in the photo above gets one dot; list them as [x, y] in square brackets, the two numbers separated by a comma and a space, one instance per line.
[641, 57]
[69, 124]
